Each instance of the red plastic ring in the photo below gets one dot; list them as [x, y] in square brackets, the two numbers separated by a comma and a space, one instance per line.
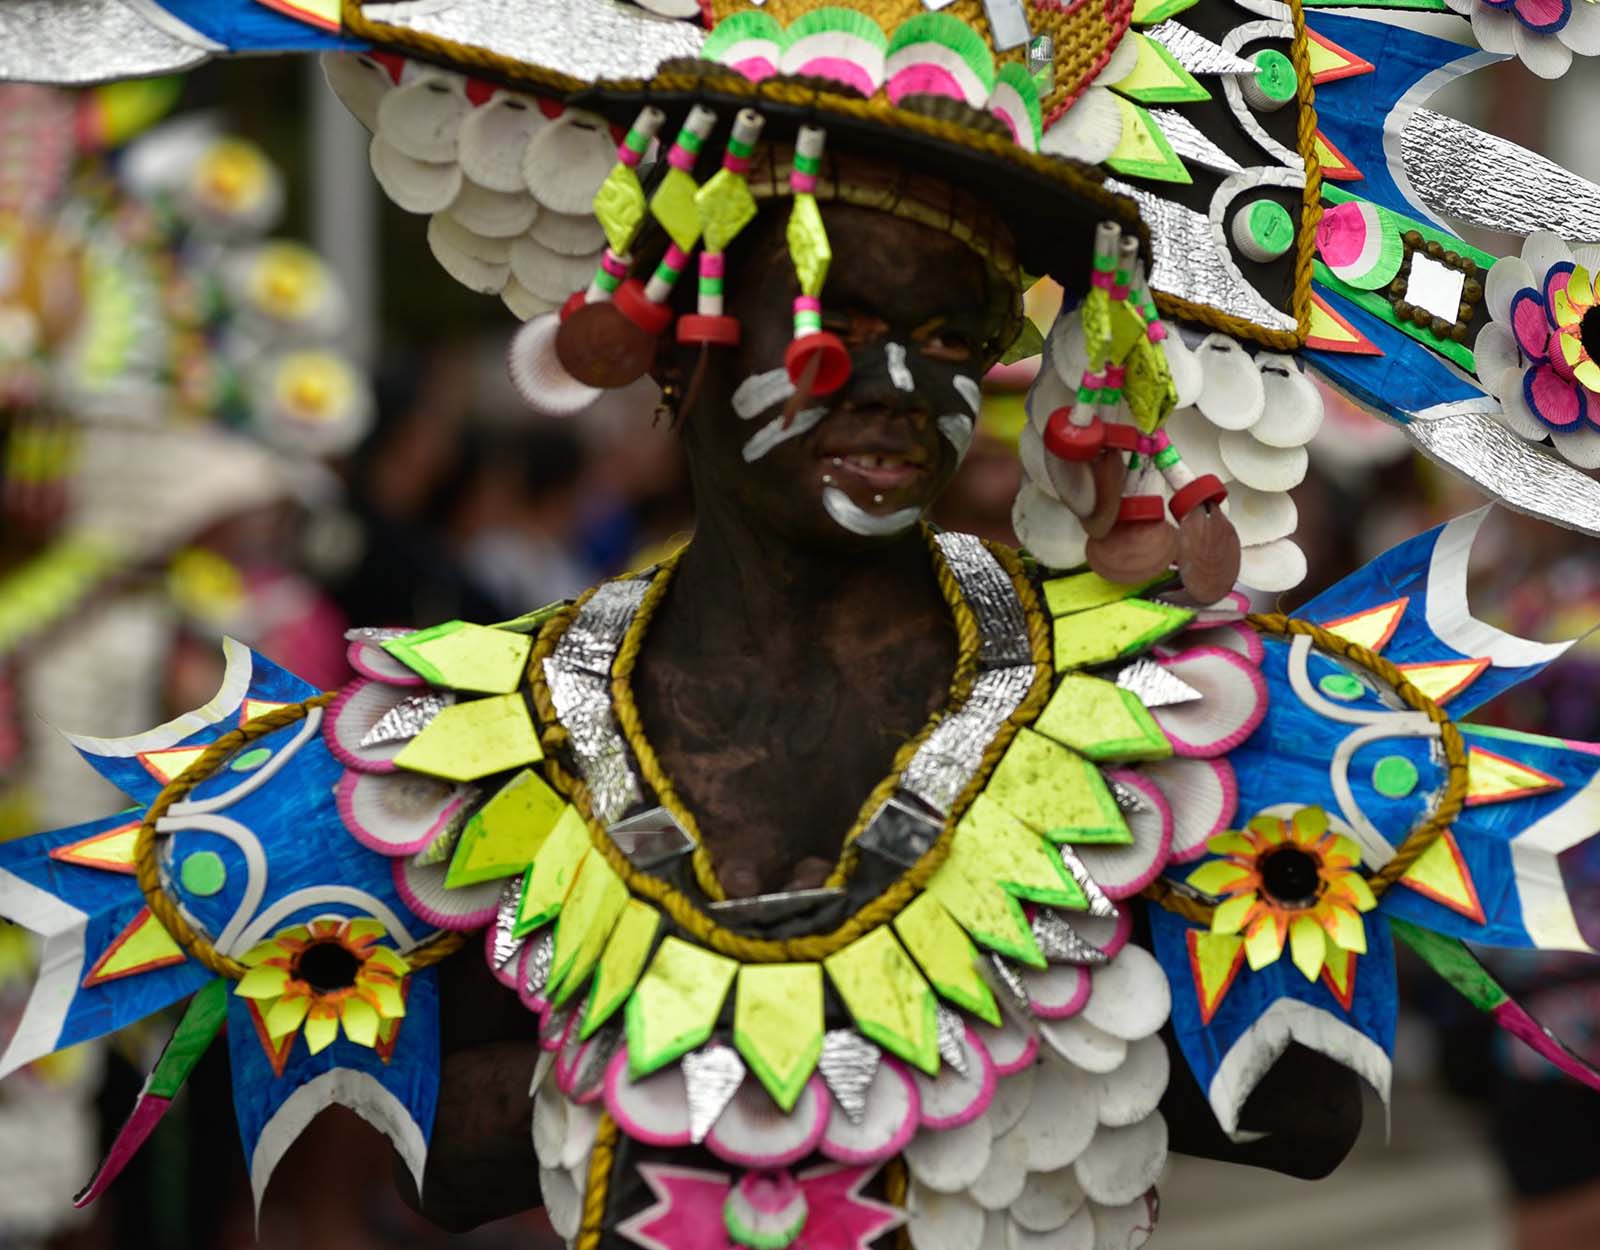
[1122, 437]
[1207, 488]
[633, 304]
[833, 365]
[718, 331]
[1140, 508]
[1066, 440]
[574, 302]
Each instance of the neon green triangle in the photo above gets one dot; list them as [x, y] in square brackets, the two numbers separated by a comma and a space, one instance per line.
[506, 833]
[1151, 12]
[1157, 78]
[1144, 151]
[1102, 721]
[465, 657]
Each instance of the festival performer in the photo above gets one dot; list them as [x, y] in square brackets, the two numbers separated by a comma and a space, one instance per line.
[840, 879]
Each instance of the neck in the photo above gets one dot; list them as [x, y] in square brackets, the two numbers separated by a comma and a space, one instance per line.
[745, 590]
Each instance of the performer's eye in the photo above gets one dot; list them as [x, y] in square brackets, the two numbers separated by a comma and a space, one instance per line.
[947, 344]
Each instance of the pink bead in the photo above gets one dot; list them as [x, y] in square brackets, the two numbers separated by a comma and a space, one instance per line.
[680, 158]
[712, 264]
[675, 258]
[614, 264]
[807, 303]
[736, 164]
[802, 184]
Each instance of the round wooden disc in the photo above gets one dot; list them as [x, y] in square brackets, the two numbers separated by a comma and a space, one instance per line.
[1134, 551]
[1110, 472]
[600, 347]
[1208, 553]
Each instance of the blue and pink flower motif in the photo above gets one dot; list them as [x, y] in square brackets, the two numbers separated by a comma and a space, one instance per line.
[1540, 355]
[1543, 33]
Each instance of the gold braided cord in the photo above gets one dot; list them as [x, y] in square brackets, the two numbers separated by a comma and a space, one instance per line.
[598, 1186]
[811, 947]
[1423, 835]
[147, 863]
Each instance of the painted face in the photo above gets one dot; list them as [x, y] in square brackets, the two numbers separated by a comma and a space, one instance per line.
[917, 311]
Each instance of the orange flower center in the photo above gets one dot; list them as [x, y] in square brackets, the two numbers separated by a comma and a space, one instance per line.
[1290, 877]
[327, 967]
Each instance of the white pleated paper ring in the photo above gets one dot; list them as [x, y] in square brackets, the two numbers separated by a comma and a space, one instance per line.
[942, 1221]
[1134, 1090]
[653, 1109]
[495, 137]
[1083, 1045]
[398, 813]
[1089, 131]
[1011, 1045]
[466, 256]
[1203, 795]
[890, 1117]
[1057, 992]
[1273, 567]
[466, 907]
[1232, 703]
[567, 234]
[1291, 411]
[1120, 1164]
[1131, 996]
[953, 1098]
[566, 161]
[359, 82]
[540, 377]
[494, 214]
[371, 660]
[422, 119]
[1235, 636]
[1122, 870]
[1061, 1118]
[1231, 396]
[1048, 1201]
[949, 1160]
[415, 186]
[351, 716]
[752, 1132]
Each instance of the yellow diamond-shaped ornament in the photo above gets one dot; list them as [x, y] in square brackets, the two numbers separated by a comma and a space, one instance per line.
[725, 207]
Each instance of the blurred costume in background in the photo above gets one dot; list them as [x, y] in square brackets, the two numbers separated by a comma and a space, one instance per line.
[156, 379]
[952, 1032]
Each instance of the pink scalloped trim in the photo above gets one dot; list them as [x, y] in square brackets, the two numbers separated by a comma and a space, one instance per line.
[897, 1141]
[358, 661]
[330, 731]
[616, 1077]
[511, 975]
[1229, 784]
[1252, 720]
[1073, 1005]
[1024, 1059]
[820, 1108]
[344, 800]
[980, 1101]
[1158, 861]
[459, 923]
[559, 1040]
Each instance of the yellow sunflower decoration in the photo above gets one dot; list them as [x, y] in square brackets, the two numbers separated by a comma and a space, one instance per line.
[1288, 881]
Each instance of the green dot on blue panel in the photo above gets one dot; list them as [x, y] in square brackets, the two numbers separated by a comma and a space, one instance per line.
[251, 760]
[203, 873]
[1345, 687]
[1394, 776]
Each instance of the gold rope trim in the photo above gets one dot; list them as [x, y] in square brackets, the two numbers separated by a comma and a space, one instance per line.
[812, 947]
[1310, 214]
[147, 864]
[598, 1187]
[1420, 838]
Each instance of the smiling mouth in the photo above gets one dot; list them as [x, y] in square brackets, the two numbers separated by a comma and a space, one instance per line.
[881, 471]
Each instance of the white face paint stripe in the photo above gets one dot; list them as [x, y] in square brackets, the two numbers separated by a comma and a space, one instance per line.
[858, 521]
[958, 428]
[969, 391]
[760, 391]
[775, 431]
[895, 355]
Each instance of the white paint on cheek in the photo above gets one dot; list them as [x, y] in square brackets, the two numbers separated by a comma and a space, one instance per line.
[859, 521]
[970, 391]
[775, 431]
[761, 391]
[895, 355]
[957, 427]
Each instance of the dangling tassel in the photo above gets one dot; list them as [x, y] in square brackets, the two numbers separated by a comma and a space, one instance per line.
[620, 206]
[725, 206]
[817, 361]
[608, 344]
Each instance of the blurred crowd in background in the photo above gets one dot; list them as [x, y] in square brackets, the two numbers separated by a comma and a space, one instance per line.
[459, 503]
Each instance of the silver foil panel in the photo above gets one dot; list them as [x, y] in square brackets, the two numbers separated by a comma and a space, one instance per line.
[583, 706]
[950, 756]
[900, 831]
[375, 634]
[85, 41]
[1128, 799]
[848, 1063]
[1196, 53]
[1192, 144]
[1155, 686]
[503, 947]
[1191, 264]
[1099, 904]
[592, 1059]
[1460, 171]
[952, 1039]
[1002, 624]
[536, 969]
[588, 39]
[555, 1024]
[1060, 943]
[712, 1076]
[1003, 977]
[1519, 474]
[406, 719]
[651, 838]
[591, 641]
[768, 908]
